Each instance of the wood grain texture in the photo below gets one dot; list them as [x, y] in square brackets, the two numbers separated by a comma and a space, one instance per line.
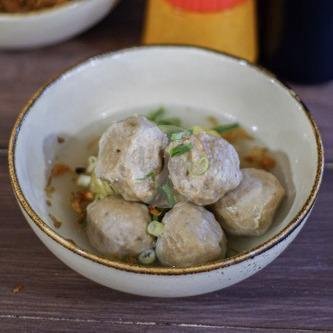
[36, 325]
[23, 72]
[293, 294]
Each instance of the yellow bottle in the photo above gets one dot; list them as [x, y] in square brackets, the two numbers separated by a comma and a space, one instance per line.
[224, 25]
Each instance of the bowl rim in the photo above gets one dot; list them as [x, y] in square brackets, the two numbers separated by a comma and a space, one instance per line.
[135, 268]
[43, 11]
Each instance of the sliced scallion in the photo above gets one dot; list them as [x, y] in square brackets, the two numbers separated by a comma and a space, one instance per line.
[151, 175]
[100, 188]
[158, 118]
[170, 121]
[224, 128]
[212, 132]
[180, 149]
[156, 115]
[170, 129]
[180, 135]
[199, 167]
[147, 257]
[168, 192]
[197, 130]
[155, 228]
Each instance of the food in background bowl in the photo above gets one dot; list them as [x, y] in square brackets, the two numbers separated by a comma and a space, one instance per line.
[19, 6]
[150, 193]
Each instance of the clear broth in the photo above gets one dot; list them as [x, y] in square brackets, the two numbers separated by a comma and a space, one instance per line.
[75, 150]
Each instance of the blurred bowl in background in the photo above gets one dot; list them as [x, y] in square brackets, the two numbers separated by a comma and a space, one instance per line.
[51, 25]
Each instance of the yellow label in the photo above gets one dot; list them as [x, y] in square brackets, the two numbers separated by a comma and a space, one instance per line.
[231, 30]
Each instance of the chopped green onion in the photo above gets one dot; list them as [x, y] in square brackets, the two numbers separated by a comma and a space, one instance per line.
[155, 228]
[147, 257]
[199, 167]
[151, 175]
[180, 135]
[170, 129]
[169, 121]
[212, 132]
[224, 128]
[180, 149]
[168, 191]
[197, 130]
[92, 161]
[83, 180]
[156, 115]
[100, 188]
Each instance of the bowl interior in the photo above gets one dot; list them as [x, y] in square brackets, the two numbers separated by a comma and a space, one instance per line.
[192, 83]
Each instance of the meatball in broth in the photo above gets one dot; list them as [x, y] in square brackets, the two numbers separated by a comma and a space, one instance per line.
[130, 157]
[117, 228]
[208, 170]
[249, 209]
[191, 236]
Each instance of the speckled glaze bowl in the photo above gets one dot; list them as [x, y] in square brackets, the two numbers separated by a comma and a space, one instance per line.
[51, 25]
[194, 79]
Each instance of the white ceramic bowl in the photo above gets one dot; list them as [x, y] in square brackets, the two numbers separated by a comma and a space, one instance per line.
[192, 79]
[50, 25]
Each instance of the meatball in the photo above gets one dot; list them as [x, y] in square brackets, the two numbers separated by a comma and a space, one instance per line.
[117, 228]
[207, 171]
[191, 236]
[249, 209]
[130, 157]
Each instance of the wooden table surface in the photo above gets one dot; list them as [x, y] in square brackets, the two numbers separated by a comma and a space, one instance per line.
[38, 293]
